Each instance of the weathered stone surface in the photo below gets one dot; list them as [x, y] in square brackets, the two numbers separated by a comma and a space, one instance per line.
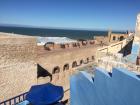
[18, 58]
[17, 65]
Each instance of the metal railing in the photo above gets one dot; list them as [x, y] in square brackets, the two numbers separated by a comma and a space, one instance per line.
[15, 100]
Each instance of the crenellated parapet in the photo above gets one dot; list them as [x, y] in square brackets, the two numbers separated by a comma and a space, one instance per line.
[79, 44]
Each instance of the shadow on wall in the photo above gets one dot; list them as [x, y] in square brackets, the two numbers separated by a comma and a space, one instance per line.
[41, 72]
[127, 49]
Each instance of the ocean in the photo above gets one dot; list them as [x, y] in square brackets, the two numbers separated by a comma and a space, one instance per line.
[45, 32]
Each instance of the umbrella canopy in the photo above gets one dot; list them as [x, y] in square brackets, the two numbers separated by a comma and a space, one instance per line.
[45, 94]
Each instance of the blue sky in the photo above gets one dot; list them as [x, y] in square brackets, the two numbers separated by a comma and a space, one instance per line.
[85, 14]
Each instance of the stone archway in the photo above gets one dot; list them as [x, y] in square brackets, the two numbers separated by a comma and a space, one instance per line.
[56, 70]
[74, 64]
[121, 38]
[93, 58]
[66, 67]
[114, 38]
[81, 62]
[88, 60]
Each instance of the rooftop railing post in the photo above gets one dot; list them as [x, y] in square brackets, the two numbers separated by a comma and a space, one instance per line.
[14, 100]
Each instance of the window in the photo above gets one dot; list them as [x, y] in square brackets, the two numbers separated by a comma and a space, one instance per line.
[81, 62]
[56, 70]
[121, 38]
[66, 67]
[114, 38]
[74, 64]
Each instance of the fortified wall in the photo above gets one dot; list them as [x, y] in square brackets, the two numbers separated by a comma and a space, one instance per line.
[114, 37]
[83, 43]
[60, 64]
[24, 64]
[111, 37]
[123, 47]
[17, 65]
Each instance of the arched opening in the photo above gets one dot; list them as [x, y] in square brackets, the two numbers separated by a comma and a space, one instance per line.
[121, 38]
[87, 60]
[74, 45]
[83, 42]
[92, 57]
[56, 70]
[49, 45]
[68, 45]
[81, 62]
[62, 45]
[78, 44]
[92, 42]
[66, 67]
[74, 64]
[114, 37]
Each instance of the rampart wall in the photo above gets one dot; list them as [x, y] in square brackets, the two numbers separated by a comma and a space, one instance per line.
[61, 64]
[52, 46]
[113, 48]
[23, 65]
[117, 37]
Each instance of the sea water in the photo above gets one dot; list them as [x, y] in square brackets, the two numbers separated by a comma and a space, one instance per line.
[45, 32]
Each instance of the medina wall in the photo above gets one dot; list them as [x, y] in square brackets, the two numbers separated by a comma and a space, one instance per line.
[114, 48]
[57, 66]
[22, 64]
[17, 65]
[60, 63]
[117, 37]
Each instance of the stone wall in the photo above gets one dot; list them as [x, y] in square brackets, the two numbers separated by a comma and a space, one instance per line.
[102, 39]
[117, 37]
[18, 70]
[65, 62]
[111, 38]
[113, 48]
[52, 46]
[19, 58]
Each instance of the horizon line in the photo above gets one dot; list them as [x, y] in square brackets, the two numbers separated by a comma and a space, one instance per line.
[62, 28]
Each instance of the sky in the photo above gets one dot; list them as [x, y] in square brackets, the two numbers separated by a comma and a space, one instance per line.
[75, 14]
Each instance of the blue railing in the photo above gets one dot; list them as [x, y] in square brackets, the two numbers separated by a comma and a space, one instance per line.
[15, 100]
